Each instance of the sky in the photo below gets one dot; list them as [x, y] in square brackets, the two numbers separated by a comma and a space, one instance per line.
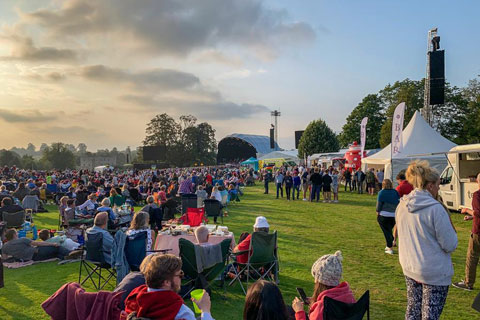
[96, 72]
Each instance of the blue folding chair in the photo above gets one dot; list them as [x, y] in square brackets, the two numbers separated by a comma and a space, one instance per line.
[136, 250]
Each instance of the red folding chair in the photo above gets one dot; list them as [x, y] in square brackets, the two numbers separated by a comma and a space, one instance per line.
[194, 217]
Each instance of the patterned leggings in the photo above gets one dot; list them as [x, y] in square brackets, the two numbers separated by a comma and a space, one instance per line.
[424, 301]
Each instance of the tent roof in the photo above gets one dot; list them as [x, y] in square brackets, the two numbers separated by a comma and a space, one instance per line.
[418, 138]
[338, 154]
[287, 154]
[251, 160]
[260, 143]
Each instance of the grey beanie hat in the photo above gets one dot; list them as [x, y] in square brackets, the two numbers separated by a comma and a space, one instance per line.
[328, 269]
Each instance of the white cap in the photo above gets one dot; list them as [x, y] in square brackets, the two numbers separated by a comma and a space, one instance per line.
[261, 222]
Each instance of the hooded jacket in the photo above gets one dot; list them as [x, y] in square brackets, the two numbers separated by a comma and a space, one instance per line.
[426, 239]
[162, 305]
[341, 293]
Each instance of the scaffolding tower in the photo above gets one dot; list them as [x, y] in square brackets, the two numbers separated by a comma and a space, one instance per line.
[275, 114]
[427, 111]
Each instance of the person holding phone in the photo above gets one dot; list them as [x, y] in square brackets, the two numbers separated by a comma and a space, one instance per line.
[327, 272]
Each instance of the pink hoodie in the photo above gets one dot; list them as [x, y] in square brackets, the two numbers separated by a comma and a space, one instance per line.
[341, 293]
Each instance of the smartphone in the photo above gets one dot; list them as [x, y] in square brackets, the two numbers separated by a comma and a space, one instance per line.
[303, 296]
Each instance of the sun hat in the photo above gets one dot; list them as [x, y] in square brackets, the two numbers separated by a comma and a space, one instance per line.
[261, 222]
[328, 269]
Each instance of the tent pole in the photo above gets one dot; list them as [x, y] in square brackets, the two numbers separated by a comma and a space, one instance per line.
[391, 160]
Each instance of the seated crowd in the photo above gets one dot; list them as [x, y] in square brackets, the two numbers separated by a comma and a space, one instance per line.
[153, 292]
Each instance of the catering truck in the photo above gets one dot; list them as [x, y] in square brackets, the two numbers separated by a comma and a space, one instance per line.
[458, 180]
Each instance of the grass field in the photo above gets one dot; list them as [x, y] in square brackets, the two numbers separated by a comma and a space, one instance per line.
[306, 231]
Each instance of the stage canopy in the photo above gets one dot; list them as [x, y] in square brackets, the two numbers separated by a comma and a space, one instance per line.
[237, 147]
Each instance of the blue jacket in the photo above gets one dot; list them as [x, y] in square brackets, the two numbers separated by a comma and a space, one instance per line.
[119, 259]
[387, 200]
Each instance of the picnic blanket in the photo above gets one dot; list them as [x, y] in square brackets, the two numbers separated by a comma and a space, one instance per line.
[16, 265]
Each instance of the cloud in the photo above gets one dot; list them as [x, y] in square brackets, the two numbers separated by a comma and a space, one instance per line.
[28, 116]
[234, 74]
[69, 133]
[23, 48]
[156, 78]
[238, 74]
[215, 110]
[215, 56]
[177, 28]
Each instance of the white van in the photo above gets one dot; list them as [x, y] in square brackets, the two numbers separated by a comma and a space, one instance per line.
[458, 180]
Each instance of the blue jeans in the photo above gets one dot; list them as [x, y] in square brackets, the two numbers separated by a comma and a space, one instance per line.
[315, 192]
[295, 188]
[280, 187]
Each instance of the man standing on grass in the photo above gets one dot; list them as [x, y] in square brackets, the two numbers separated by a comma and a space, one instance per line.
[266, 180]
[473, 252]
[316, 179]
[279, 182]
[360, 178]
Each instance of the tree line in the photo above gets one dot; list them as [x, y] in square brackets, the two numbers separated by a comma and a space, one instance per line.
[57, 156]
[456, 120]
[186, 142]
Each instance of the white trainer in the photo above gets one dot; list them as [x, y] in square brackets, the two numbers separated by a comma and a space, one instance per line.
[388, 250]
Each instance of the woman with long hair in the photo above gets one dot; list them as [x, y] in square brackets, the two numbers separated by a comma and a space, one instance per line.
[141, 223]
[264, 301]
[426, 240]
[116, 199]
[327, 272]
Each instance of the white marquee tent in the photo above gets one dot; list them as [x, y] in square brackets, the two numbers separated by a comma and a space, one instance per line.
[418, 139]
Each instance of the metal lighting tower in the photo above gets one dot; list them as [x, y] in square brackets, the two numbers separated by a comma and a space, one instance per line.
[275, 114]
[427, 108]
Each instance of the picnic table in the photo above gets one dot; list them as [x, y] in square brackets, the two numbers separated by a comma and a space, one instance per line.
[168, 241]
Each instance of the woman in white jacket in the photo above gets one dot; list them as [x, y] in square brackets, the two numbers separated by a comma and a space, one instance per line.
[426, 239]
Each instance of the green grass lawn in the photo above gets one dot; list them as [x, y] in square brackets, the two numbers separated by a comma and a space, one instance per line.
[306, 231]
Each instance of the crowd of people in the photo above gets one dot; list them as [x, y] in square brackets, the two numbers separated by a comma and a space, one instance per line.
[412, 215]
[317, 183]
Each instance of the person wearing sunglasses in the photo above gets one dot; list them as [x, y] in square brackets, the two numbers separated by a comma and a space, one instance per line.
[158, 298]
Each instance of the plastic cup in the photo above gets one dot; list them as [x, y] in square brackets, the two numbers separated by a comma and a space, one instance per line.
[197, 294]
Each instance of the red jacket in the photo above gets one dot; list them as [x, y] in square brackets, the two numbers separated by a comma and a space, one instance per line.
[161, 305]
[244, 246]
[404, 188]
[71, 302]
[341, 293]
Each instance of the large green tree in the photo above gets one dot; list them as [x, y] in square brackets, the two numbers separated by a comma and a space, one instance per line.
[371, 107]
[9, 158]
[59, 156]
[186, 142]
[200, 143]
[317, 138]
[408, 91]
[162, 130]
[468, 123]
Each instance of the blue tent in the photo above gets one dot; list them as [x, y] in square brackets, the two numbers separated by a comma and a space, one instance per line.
[251, 162]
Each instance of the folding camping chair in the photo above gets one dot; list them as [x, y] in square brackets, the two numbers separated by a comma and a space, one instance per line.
[189, 200]
[194, 217]
[213, 208]
[31, 202]
[205, 278]
[136, 250]
[263, 261]
[170, 208]
[94, 262]
[337, 310]
[14, 219]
